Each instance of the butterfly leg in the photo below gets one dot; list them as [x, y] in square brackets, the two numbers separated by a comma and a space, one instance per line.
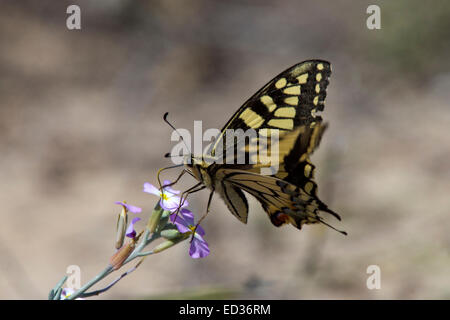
[163, 169]
[204, 216]
[199, 186]
[176, 180]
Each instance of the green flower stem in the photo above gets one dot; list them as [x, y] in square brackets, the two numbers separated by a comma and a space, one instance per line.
[97, 292]
[57, 294]
[89, 284]
[52, 294]
[144, 254]
[137, 252]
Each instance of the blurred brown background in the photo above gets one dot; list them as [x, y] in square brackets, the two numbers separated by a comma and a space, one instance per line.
[81, 127]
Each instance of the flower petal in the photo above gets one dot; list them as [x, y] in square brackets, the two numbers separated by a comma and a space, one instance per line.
[134, 209]
[200, 230]
[173, 217]
[130, 208]
[181, 224]
[169, 189]
[149, 188]
[131, 233]
[187, 215]
[66, 292]
[199, 248]
[172, 203]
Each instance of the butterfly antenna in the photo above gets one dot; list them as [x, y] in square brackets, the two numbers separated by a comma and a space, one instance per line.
[181, 137]
[169, 155]
[330, 226]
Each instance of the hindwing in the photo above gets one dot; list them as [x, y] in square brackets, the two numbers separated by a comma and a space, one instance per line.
[283, 201]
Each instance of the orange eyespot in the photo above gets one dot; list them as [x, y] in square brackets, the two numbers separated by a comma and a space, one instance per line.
[279, 218]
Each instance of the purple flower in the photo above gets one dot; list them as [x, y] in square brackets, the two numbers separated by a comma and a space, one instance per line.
[169, 199]
[66, 293]
[128, 207]
[185, 224]
[131, 233]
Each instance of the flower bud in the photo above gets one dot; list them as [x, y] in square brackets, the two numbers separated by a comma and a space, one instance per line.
[153, 222]
[171, 234]
[121, 228]
[170, 243]
[122, 254]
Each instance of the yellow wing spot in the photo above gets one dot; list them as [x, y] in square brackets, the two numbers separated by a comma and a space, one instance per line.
[313, 113]
[287, 124]
[302, 78]
[308, 169]
[316, 100]
[293, 101]
[304, 197]
[288, 112]
[311, 207]
[255, 124]
[251, 118]
[303, 157]
[282, 175]
[308, 187]
[268, 102]
[293, 90]
[281, 83]
[312, 124]
[320, 66]
[319, 76]
[317, 88]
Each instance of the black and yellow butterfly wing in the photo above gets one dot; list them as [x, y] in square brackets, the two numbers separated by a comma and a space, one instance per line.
[234, 198]
[288, 101]
[288, 104]
[283, 201]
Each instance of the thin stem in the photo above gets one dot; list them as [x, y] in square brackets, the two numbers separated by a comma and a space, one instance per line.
[142, 245]
[89, 284]
[144, 254]
[97, 292]
[58, 286]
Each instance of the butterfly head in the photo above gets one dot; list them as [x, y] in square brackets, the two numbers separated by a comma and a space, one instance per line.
[191, 161]
[199, 168]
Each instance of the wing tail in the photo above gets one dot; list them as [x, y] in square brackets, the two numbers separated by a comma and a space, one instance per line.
[284, 202]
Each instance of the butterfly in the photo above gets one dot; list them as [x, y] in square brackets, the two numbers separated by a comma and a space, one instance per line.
[282, 114]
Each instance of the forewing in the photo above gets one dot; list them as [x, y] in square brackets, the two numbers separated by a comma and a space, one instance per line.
[288, 101]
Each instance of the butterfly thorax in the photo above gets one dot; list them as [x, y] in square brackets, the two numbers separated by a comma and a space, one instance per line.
[200, 169]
